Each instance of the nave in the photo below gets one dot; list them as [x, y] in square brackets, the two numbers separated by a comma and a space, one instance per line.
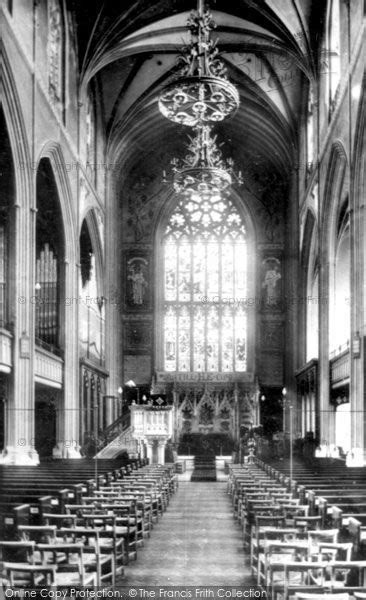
[289, 531]
[148, 526]
[197, 542]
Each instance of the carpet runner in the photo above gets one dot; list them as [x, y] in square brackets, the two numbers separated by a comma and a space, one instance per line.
[204, 468]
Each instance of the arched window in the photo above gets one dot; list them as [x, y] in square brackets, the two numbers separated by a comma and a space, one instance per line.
[205, 274]
[55, 51]
[312, 305]
[310, 131]
[340, 308]
[49, 258]
[90, 133]
[334, 61]
[7, 191]
[91, 313]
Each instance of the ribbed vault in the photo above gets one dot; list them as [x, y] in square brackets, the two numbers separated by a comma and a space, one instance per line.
[132, 51]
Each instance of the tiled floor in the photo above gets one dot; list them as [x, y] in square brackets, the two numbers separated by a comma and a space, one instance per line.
[196, 542]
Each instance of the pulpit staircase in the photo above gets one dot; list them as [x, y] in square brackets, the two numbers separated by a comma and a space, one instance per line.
[117, 438]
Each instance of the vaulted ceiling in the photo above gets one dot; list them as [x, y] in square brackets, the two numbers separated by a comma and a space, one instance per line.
[130, 50]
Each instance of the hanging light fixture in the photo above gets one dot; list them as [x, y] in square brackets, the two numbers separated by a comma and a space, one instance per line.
[202, 94]
[203, 171]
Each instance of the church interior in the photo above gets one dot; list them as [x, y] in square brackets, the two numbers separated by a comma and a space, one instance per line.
[182, 294]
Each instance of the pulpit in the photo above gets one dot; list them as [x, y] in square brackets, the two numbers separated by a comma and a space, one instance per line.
[152, 427]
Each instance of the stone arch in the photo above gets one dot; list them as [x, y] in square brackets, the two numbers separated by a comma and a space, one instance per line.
[335, 184]
[53, 152]
[68, 416]
[20, 422]
[91, 221]
[247, 215]
[17, 133]
[308, 260]
[334, 198]
[358, 250]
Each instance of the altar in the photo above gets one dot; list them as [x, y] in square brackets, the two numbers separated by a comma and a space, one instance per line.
[211, 403]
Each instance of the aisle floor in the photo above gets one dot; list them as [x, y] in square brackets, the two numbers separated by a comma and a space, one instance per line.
[196, 542]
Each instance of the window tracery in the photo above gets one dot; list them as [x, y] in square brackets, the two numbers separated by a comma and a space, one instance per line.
[204, 280]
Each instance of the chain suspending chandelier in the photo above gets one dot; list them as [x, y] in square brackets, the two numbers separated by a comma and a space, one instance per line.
[202, 94]
[203, 171]
[200, 97]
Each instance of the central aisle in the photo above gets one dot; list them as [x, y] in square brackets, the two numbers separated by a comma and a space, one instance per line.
[196, 542]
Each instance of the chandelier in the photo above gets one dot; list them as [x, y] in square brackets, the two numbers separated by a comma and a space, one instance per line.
[202, 94]
[203, 171]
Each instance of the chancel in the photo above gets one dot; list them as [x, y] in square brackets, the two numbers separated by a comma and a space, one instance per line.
[182, 295]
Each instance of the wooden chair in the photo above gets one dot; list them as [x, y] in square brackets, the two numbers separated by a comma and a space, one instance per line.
[262, 533]
[321, 596]
[109, 537]
[24, 575]
[311, 590]
[267, 538]
[59, 520]
[307, 522]
[336, 551]
[320, 536]
[96, 557]
[279, 553]
[13, 551]
[255, 510]
[129, 526]
[69, 559]
[284, 579]
[38, 533]
[347, 573]
[293, 511]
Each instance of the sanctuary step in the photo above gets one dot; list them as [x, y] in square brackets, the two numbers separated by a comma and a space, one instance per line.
[204, 468]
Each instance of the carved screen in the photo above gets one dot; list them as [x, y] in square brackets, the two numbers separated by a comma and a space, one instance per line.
[205, 287]
[55, 50]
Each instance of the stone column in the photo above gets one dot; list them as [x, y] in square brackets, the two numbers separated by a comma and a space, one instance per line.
[161, 452]
[68, 443]
[292, 301]
[326, 418]
[357, 457]
[113, 289]
[109, 407]
[19, 446]
[149, 450]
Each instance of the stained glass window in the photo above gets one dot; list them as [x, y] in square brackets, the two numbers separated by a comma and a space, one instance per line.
[205, 286]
